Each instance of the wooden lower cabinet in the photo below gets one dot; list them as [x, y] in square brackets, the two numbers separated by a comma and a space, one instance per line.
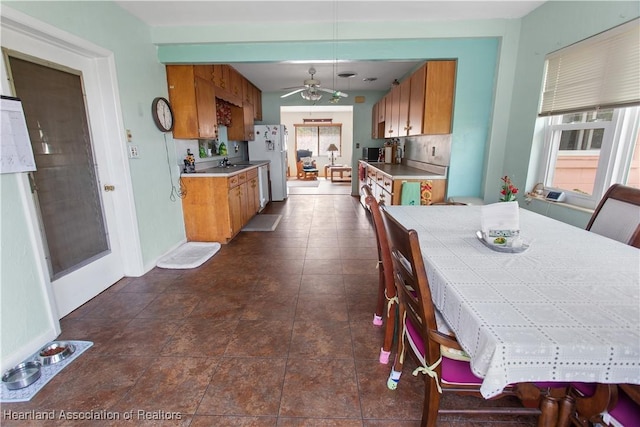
[388, 190]
[216, 208]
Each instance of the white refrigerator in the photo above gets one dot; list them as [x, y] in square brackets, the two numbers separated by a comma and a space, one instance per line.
[270, 143]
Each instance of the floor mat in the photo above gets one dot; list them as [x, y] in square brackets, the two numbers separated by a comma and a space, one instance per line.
[189, 255]
[46, 374]
[263, 223]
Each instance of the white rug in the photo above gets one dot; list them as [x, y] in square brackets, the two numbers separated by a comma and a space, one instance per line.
[189, 255]
[263, 222]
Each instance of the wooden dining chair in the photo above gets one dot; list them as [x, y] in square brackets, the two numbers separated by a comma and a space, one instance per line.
[439, 356]
[617, 216]
[606, 404]
[386, 306]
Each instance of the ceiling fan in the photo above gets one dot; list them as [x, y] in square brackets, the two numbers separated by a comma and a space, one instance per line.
[310, 90]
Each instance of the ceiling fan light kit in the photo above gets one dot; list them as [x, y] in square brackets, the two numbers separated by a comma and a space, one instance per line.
[309, 90]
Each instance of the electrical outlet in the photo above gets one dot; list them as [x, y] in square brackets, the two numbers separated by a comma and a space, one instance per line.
[133, 152]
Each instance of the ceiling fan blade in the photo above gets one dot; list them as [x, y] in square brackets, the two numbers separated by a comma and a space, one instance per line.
[291, 93]
[334, 92]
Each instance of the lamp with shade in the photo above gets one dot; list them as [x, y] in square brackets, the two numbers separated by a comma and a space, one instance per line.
[332, 150]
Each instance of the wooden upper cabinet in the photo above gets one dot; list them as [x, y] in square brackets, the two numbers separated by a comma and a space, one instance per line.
[204, 72]
[221, 77]
[257, 103]
[392, 113]
[235, 79]
[421, 105]
[193, 102]
[403, 108]
[416, 101]
[247, 91]
[439, 96]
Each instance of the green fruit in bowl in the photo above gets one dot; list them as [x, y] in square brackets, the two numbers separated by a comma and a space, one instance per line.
[499, 240]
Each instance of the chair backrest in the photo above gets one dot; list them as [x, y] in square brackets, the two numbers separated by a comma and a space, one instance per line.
[618, 215]
[303, 153]
[384, 254]
[412, 284]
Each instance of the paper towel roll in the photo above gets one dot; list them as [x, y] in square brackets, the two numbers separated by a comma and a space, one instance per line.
[387, 154]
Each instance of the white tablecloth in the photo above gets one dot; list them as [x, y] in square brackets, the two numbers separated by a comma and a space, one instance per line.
[566, 309]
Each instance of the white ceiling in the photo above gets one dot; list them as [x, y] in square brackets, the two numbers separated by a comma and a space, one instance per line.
[271, 77]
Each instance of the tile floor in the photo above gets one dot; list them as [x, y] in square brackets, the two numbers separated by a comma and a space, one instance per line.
[274, 330]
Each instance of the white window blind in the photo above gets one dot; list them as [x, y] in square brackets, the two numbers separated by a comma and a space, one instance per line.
[602, 71]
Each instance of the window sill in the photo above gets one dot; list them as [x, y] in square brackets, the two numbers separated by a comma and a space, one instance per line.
[531, 197]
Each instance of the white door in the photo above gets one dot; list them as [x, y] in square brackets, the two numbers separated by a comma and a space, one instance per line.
[86, 279]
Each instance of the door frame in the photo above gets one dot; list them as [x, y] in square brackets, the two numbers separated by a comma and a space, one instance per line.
[108, 123]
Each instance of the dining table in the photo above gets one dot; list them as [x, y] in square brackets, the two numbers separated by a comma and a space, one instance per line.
[563, 307]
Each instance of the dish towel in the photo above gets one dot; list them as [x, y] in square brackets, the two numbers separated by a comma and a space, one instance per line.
[425, 192]
[410, 193]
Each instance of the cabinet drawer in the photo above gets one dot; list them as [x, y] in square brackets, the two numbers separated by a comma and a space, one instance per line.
[371, 173]
[252, 173]
[387, 183]
[379, 178]
[236, 180]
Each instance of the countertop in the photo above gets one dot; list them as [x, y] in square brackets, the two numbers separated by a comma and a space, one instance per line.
[400, 171]
[224, 172]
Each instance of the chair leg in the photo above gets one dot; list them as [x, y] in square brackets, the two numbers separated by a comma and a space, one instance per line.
[431, 403]
[566, 407]
[378, 315]
[549, 412]
[389, 330]
[396, 370]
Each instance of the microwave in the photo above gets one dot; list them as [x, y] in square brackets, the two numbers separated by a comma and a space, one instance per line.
[370, 154]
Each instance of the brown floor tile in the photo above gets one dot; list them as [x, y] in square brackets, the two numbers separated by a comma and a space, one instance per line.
[321, 338]
[235, 391]
[171, 384]
[317, 388]
[274, 330]
[260, 338]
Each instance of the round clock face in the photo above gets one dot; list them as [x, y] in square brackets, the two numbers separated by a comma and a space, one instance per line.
[162, 114]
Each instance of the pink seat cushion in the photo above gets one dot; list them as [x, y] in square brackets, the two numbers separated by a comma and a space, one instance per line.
[453, 371]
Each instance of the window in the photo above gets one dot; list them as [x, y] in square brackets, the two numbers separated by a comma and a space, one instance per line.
[317, 138]
[586, 152]
[589, 115]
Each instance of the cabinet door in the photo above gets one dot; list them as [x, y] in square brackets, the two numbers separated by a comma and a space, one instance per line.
[403, 107]
[439, 94]
[257, 104]
[392, 112]
[236, 211]
[248, 122]
[416, 101]
[235, 79]
[253, 198]
[221, 76]
[374, 121]
[206, 107]
[182, 95]
[204, 72]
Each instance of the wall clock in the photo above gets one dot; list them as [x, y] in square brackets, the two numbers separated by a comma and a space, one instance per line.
[162, 114]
